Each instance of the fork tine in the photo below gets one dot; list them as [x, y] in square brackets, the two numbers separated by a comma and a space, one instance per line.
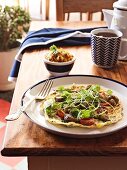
[43, 88]
[47, 90]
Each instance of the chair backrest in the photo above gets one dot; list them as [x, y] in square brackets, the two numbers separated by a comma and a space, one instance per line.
[81, 6]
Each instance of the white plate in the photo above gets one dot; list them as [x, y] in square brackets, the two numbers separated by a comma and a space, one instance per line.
[119, 89]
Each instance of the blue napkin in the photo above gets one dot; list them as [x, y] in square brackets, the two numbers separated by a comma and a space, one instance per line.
[47, 37]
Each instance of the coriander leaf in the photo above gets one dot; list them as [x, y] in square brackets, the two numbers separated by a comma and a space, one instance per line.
[95, 88]
[61, 88]
[109, 92]
[53, 48]
[85, 113]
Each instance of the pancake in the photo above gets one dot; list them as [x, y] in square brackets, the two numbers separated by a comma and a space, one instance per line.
[85, 106]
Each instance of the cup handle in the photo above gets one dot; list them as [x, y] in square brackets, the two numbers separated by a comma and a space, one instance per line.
[123, 49]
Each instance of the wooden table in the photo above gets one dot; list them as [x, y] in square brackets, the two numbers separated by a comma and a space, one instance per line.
[24, 138]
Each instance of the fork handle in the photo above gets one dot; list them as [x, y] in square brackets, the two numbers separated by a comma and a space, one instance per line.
[16, 115]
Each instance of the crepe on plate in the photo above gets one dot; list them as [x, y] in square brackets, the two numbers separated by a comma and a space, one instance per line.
[87, 106]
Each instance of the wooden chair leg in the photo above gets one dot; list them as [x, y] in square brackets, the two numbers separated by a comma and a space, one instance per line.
[89, 16]
[80, 16]
[68, 16]
[102, 16]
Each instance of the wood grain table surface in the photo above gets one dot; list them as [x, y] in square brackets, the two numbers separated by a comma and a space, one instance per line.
[25, 138]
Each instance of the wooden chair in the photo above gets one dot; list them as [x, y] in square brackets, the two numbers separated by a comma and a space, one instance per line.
[81, 6]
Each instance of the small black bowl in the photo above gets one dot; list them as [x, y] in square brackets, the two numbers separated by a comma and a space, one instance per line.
[59, 68]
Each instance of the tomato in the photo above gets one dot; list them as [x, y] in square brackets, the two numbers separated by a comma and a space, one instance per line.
[60, 113]
[87, 121]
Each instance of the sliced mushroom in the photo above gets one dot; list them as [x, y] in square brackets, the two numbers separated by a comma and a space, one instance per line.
[113, 100]
[69, 118]
[103, 118]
